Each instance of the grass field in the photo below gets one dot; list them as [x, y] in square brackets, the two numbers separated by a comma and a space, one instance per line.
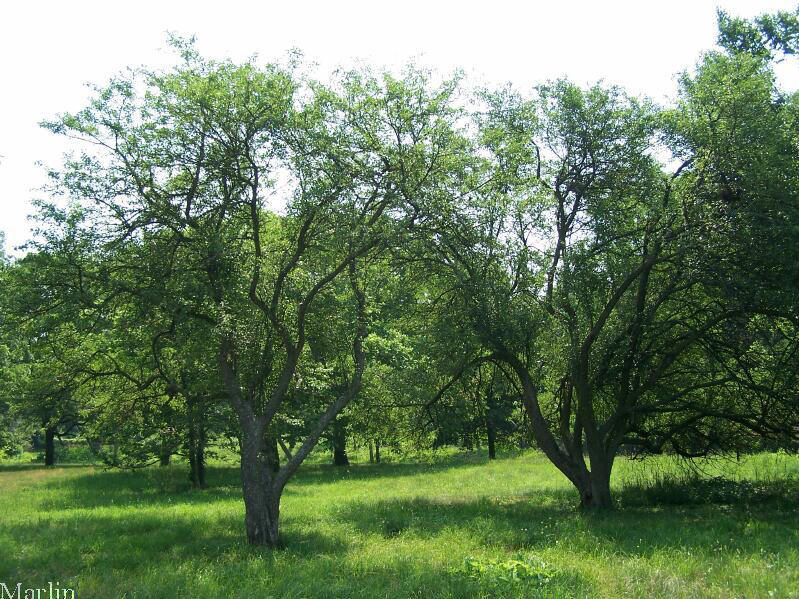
[458, 526]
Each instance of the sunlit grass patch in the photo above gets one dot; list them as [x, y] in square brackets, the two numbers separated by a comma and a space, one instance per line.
[408, 530]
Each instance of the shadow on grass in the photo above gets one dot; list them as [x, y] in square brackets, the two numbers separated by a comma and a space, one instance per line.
[686, 489]
[133, 545]
[171, 555]
[149, 487]
[184, 546]
[170, 486]
[140, 542]
[543, 520]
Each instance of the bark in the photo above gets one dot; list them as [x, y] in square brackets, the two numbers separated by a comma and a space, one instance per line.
[594, 489]
[272, 453]
[377, 451]
[285, 448]
[261, 485]
[491, 428]
[49, 446]
[197, 458]
[201, 457]
[199, 463]
[261, 499]
[196, 444]
[371, 453]
[592, 485]
[340, 443]
[191, 443]
[601, 452]
[165, 454]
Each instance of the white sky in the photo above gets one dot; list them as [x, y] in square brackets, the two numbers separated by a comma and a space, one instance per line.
[49, 50]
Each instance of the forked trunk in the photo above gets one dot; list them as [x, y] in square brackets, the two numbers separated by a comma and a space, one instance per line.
[272, 453]
[594, 485]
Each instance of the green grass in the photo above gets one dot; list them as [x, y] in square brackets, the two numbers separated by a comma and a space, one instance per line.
[455, 527]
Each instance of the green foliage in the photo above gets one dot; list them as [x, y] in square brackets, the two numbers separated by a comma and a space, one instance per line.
[14, 436]
[525, 569]
[256, 259]
[766, 35]
[72, 451]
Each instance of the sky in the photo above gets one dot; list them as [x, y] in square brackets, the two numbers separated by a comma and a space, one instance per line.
[50, 50]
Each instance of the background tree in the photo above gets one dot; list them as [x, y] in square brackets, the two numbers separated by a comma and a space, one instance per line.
[582, 266]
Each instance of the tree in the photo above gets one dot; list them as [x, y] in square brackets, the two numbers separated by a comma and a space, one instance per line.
[47, 351]
[13, 429]
[580, 265]
[193, 154]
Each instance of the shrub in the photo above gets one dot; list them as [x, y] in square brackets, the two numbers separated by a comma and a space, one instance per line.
[521, 568]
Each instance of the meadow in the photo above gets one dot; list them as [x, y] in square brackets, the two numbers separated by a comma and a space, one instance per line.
[450, 526]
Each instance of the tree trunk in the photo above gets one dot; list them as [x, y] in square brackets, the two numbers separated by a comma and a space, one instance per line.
[596, 494]
[491, 429]
[594, 485]
[261, 503]
[371, 453]
[594, 490]
[191, 443]
[261, 486]
[196, 444]
[49, 446]
[377, 451]
[340, 444]
[200, 457]
[197, 458]
[165, 452]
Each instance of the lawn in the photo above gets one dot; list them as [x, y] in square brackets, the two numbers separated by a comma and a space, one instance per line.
[457, 526]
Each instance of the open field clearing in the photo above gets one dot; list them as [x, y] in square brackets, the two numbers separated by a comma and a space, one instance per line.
[459, 526]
